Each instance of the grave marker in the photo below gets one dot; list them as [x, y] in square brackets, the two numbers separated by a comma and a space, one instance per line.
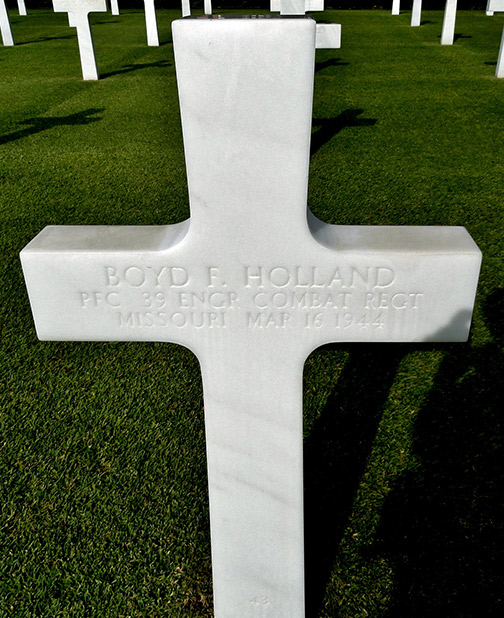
[494, 6]
[416, 13]
[78, 17]
[21, 7]
[396, 7]
[114, 7]
[328, 36]
[186, 8]
[286, 7]
[207, 7]
[251, 284]
[5, 27]
[448, 32]
[151, 24]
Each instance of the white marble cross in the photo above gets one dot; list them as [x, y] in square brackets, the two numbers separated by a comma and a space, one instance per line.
[186, 8]
[448, 32]
[114, 7]
[416, 13]
[251, 283]
[296, 7]
[207, 7]
[492, 7]
[78, 17]
[396, 7]
[151, 23]
[21, 7]
[5, 27]
[328, 36]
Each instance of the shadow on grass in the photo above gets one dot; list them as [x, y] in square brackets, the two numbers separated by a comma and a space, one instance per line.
[456, 36]
[335, 455]
[43, 39]
[136, 67]
[329, 127]
[442, 525]
[37, 125]
[332, 62]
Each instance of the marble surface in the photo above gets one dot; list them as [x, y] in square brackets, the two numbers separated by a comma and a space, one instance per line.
[304, 6]
[78, 17]
[494, 6]
[499, 71]
[151, 23]
[114, 7]
[5, 26]
[328, 36]
[21, 7]
[207, 7]
[292, 7]
[396, 7]
[416, 12]
[450, 14]
[497, 6]
[186, 8]
[251, 283]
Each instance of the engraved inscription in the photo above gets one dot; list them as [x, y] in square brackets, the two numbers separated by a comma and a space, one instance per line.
[345, 298]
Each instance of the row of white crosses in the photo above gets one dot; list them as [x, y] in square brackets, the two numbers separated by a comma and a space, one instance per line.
[448, 32]
[251, 283]
[494, 6]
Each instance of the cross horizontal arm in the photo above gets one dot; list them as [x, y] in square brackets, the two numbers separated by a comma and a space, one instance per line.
[350, 283]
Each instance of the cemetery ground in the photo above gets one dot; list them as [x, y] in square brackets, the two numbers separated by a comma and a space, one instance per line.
[103, 503]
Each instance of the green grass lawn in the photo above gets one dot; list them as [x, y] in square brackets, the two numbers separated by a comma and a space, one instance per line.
[103, 505]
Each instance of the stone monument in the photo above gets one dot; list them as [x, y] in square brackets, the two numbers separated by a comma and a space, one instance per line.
[328, 36]
[251, 283]
[78, 17]
[5, 27]
[296, 7]
[448, 32]
[416, 13]
[114, 7]
[186, 8]
[495, 6]
[151, 23]
[21, 7]
[396, 7]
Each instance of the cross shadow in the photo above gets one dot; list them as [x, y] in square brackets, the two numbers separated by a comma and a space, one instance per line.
[42, 39]
[37, 125]
[427, 21]
[442, 525]
[335, 455]
[135, 67]
[332, 62]
[339, 445]
[456, 36]
[329, 127]
[491, 64]
[101, 23]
